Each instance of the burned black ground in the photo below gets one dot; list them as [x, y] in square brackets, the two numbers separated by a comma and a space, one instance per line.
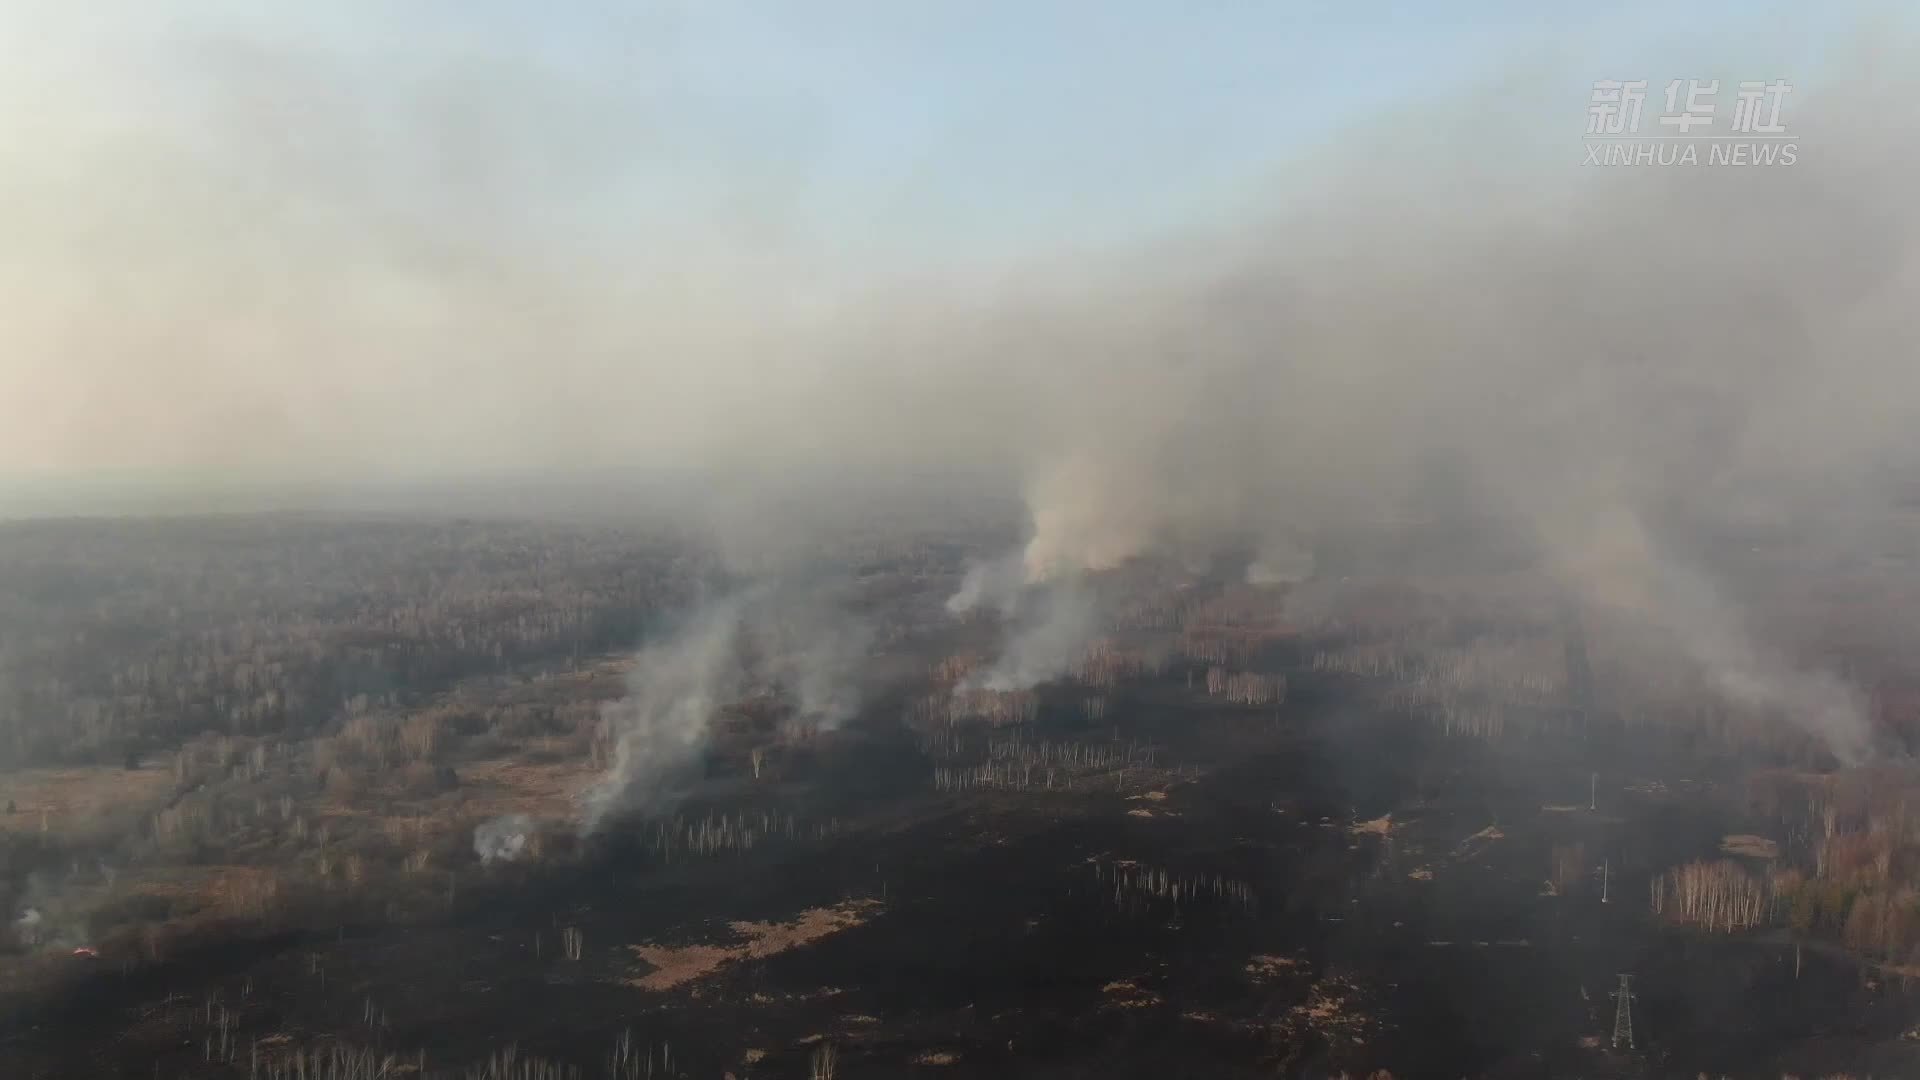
[997, 947]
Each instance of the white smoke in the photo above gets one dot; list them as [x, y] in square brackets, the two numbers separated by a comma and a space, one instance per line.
[1048, 624]
[1581, 349]
[1057, 623]
[1616, 568]
[30, 927]
[1090, 513]
[1433, 284]
[819, 670]
[1280, 561]
[990, 584]
[772, 638]
[661, 727]
[503, 839]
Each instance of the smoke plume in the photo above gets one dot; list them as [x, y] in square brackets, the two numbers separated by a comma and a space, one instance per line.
[781, 642]
[1610, 364]
[1049, 629]
[475, 285]
[502, 839]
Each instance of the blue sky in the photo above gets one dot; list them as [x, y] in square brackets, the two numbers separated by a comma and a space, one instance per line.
[901, 131]
[998, 125]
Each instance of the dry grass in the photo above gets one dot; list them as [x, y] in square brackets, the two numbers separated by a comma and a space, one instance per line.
[1126, 994]
[1380, 826]
[223, 890]
[1332, 1011]
[541, 790]
[936, 1057]
[71, 799]
[1758, 847]
[1478, 842]
[1264, 968]
[676, 966]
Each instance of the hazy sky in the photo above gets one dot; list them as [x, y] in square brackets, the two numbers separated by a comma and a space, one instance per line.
[357, 239]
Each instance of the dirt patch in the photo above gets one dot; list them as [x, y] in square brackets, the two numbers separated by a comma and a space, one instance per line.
[676, 965]
[1126, 994]
[1332, 1011]
[1263, 967]
[1478, 842]
[1758, 847]
[1380, 826]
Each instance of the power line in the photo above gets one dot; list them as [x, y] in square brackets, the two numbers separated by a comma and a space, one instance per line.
[1623, 1013]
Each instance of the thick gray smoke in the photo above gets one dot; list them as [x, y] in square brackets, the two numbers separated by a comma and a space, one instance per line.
[780, 642]
[1620, 573]
[660, 728]
[1280, 561]
[1749, 674]
[1048, 620]
[821, 670]
[1612, 362]
[473, 285]
[994, 584]
[1049, 629]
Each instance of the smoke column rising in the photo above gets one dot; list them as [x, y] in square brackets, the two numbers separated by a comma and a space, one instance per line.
[448, 270]
[780, 637]
[1613, 363]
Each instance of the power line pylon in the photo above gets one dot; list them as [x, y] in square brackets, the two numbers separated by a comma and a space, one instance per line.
[1623, 1013]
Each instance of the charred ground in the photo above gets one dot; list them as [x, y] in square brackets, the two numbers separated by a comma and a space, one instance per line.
[1152, 865]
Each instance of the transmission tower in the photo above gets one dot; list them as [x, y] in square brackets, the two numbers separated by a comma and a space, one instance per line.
[1623, 1013]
